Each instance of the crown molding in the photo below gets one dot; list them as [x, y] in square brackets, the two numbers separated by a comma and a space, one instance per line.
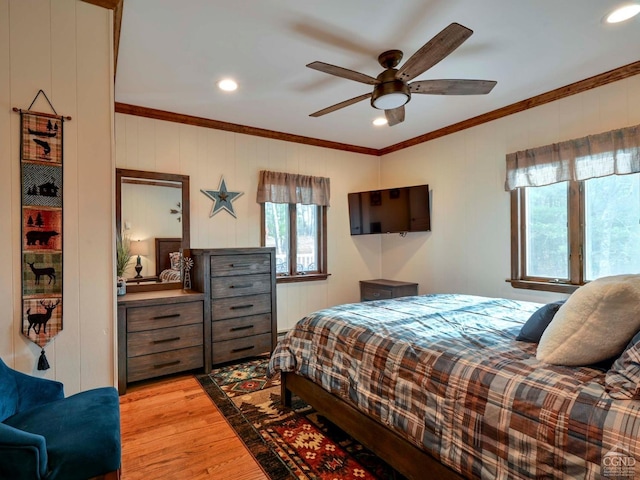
[110, 4]
[234, 127]
[550, 96]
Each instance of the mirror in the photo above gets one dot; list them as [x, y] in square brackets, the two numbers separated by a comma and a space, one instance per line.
[152, 210]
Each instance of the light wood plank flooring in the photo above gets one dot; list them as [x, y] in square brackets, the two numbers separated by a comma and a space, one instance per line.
[172, 430]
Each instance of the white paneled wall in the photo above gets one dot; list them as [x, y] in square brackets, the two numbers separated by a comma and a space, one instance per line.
[64, 48]
[206, 155]
[468, 250]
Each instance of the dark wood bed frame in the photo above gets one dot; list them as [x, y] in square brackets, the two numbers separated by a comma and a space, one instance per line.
[398, 452]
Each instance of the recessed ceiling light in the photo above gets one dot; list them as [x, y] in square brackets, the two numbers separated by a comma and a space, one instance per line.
[227, 85]
[380, 121]
[623, 13]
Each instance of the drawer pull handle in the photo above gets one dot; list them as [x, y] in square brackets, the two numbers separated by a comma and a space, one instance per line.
[246, 285]
[238, 307]
[235, 329]
[164, 340]
[240, 265]
[376, 294]
[243, 349]
[160, 317]
[168, 364]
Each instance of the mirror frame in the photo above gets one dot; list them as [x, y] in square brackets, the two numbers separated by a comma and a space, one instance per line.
[186, 230]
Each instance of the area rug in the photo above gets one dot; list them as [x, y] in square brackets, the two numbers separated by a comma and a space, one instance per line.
[289, 443]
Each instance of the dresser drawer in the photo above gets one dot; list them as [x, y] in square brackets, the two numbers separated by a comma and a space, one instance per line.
[225, 265]
[240, 327]
[240, 306]
[375, 293]
[240, 348]
[240, 285]
[164, 339]
[156, 364]
[163, 316]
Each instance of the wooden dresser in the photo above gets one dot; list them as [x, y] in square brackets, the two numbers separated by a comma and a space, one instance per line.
[159, 332]
[381, 289]
[239, 286]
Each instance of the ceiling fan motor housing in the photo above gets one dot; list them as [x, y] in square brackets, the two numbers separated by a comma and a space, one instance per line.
[390, 93]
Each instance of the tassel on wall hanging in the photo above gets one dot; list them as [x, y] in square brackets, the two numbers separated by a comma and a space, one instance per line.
[41, 152]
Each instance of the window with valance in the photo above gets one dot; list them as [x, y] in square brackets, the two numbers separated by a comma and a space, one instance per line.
[575, 210]
[294, 222]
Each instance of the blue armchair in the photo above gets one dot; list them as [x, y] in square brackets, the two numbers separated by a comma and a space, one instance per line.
[44, 435]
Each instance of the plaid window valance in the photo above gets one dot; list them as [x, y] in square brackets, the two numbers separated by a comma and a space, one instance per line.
[279, 187]
[610, 153]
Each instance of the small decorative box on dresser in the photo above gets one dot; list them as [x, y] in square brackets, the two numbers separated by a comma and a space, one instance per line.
[159, 332]
[381, 289]
[239, 286]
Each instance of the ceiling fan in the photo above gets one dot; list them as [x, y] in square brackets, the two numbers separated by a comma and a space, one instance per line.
[391, 90]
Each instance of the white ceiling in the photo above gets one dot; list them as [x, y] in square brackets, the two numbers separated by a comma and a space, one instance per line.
[172, 53]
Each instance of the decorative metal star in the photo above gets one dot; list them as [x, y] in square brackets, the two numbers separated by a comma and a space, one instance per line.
[222, 199]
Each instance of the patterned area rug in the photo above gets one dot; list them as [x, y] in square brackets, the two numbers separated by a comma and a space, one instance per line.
[295, 443]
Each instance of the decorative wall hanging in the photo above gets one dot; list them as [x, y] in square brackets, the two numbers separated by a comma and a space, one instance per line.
[177, 211]
[222, 198]
[41, 233]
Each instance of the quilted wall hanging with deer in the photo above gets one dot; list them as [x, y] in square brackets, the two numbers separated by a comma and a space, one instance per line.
[42, 236]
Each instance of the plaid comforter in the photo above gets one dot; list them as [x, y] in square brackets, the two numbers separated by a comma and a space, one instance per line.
[446, 372]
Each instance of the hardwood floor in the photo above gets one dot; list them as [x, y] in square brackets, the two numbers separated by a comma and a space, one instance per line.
[172, 430]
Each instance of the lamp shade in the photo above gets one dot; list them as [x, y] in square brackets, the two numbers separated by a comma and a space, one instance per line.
[139, 247]
[390, 101]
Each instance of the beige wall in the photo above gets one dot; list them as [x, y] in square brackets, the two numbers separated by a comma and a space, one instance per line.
[206, 155]
[468, 250]
[64, 48]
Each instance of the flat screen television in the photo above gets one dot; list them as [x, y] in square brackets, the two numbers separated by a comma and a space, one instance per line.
[393, 210]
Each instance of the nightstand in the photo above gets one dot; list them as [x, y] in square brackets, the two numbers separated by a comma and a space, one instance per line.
[381, 289]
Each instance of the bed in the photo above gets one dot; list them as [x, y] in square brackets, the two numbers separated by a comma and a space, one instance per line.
[438, 387]
[166, 270]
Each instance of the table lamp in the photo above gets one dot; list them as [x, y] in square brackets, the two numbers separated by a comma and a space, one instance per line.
[138, 248]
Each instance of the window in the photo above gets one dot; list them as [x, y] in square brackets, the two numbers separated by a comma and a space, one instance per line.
[612, 226]
[570, 241]
[297, 233]
[294, 222]
[546, 231]
[575, 211]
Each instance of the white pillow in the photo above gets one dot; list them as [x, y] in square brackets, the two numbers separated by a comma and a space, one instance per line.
[594, 324]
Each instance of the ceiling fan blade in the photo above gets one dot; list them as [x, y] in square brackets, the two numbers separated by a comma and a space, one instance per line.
[395, 116]
[433, 51]
[453, 87]
[343, 73]
[340, 105]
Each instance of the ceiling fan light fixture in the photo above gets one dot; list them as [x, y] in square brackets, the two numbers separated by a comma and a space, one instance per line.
[623, 13]
[390, 101]
[390, 95]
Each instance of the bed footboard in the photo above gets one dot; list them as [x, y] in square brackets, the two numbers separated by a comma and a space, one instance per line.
[398, 452]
